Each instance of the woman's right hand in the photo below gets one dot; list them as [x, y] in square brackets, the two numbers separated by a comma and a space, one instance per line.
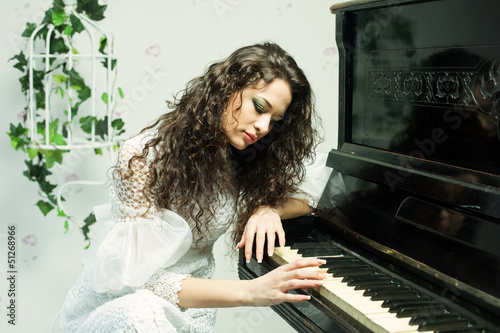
[272, 288]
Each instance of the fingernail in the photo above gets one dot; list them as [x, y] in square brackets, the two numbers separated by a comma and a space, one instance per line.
[321, 261]
[259, 261]
[270, 253]
[247, 257]
[323, 276]
[307, 298]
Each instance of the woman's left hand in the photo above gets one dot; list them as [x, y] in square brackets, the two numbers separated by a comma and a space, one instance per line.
[264, 221]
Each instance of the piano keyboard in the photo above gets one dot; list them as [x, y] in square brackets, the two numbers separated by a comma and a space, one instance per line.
[373, 299]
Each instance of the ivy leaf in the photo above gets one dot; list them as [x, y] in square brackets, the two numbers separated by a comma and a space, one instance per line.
[18, 136]
[60, 78]
[30, 27]
[48, 188]
[36, 172]
[60, 212]
[101, 128]
[21, 61]
[86, 123]
[58, 18]
[32, 152]
[57, 45]
[68, 30]
[40, 99]
[53, 156]
[58, 139]
[76, 80]
[66, 227]
[61, 91]
[102, 44]
[88, 222]
[117, 124]
[98, 151]
[17, 131]
[76, 24]
[44, 206]
[84, 93]
[105, 63]
[120, 92]
[104, 98]
[92, 8]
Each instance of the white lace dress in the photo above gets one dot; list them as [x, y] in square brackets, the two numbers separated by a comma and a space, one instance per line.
[134, 268]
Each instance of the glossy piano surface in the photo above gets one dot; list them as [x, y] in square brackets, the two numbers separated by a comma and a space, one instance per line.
[419, 155]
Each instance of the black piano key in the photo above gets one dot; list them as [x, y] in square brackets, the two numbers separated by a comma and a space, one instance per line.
[310, 245]
[365, 285]
[465, 330]
[395, 295]
[331, 251]
[401, 302]
[352, 280]
[389, 287]
[450, 326]
[341, 261]
[421, 312]
[437, 318]
[350, 272]
[415, 304]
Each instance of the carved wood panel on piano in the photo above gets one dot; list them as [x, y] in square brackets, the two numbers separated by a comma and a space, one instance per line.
[413, 245]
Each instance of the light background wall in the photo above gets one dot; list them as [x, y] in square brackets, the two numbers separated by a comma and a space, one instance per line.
[160, 45]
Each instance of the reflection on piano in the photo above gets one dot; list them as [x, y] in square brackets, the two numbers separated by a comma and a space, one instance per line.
[414, 245]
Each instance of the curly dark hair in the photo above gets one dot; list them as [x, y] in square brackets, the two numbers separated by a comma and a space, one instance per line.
[195, 169]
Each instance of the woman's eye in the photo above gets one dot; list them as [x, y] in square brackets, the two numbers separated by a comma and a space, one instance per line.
[258, 106]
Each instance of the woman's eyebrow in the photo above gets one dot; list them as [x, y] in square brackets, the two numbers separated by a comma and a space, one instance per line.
[267, 102]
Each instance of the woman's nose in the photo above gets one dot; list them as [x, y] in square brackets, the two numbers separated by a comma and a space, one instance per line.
[262, 124]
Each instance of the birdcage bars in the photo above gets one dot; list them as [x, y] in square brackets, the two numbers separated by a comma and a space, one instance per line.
[72, 142]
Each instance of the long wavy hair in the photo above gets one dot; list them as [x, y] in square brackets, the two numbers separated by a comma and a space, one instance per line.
[195, 170]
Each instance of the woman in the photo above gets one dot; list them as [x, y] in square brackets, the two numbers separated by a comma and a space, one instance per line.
[231, 151]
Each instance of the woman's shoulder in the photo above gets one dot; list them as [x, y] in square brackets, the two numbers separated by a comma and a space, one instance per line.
[134, 145]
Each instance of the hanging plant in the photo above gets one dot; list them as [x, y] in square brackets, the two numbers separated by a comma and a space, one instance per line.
[45, 139]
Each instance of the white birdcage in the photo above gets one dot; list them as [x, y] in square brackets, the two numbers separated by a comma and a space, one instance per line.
[94, 32]
[97, 65]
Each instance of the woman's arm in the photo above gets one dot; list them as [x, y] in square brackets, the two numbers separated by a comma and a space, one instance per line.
[269, 289]
[267, 221]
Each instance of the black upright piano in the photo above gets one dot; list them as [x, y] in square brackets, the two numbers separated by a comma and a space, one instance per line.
[413, 242]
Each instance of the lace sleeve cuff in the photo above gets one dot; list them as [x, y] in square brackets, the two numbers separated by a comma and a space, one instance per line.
[165, 285]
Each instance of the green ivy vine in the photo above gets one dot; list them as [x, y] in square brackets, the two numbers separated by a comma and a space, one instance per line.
[40, 161]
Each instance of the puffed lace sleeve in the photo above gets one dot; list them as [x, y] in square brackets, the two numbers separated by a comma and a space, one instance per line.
[321, 184]
[137, 240]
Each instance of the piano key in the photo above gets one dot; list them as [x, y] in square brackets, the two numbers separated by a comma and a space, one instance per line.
[392, 303]
[308, 245]
[373, 284]
[369, 313]
[374, 290]
[422, 311]
[346, 273]
[356, 280]
[308, 253]
[415, 306]
[436, 318]
[395, 295]
[341, 262]
[443, 326]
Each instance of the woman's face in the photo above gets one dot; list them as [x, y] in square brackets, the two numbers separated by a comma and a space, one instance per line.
[252, 116]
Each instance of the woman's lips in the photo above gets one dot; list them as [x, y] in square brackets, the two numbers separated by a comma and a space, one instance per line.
[250, 137]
